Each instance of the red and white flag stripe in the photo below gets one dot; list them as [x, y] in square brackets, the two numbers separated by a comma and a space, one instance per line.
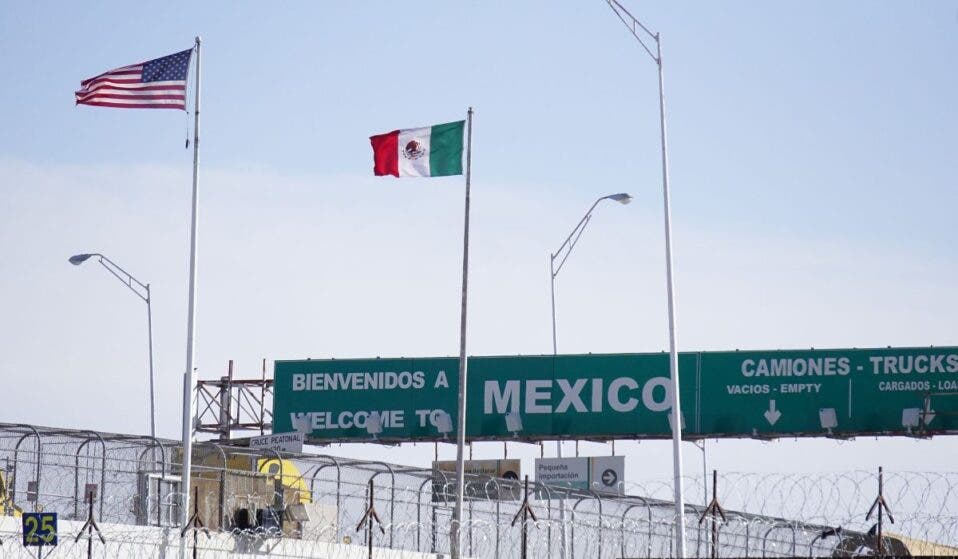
[127, 88]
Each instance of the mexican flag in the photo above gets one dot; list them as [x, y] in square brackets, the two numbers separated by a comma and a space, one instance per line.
[434, 151]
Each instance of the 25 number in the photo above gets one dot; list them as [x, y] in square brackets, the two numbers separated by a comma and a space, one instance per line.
[40, 529]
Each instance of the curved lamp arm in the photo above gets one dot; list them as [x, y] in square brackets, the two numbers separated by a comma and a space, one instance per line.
[140, 289]
[569, 243]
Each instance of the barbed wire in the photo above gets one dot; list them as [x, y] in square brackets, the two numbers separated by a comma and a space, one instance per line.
[258, 500]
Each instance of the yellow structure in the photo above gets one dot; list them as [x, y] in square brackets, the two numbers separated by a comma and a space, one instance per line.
[294, 487]
[7, 508]
[924, 547]
[232, 480]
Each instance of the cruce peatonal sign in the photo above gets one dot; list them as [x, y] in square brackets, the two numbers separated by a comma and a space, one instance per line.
[834, 392]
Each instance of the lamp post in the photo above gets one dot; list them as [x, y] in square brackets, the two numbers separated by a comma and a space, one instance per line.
[567, 245]
[565, 249]
[141, 290]
[638, 30]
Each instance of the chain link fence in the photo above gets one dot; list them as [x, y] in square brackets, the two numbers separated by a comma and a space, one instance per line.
[311, 505]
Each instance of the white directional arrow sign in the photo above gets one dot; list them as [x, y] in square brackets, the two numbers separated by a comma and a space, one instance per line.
[609, 478]
[772, 414]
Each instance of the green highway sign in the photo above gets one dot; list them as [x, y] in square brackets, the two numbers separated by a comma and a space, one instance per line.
[334, 399]
[891, 391]
[822, 392]
[565, 396]
[572, 396]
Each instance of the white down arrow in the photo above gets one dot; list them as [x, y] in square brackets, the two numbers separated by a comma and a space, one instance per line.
[772, 414]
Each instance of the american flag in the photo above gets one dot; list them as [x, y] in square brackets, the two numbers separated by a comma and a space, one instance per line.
[154, 84]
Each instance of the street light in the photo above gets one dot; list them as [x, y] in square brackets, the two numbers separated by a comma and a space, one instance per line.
[567, 245]
[141, 290]
[640, 31]
[78, 259]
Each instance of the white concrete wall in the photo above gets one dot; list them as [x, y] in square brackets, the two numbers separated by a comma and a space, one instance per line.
[144, 542]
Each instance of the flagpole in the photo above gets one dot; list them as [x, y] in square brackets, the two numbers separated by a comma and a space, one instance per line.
[455, 535]
[188, 380]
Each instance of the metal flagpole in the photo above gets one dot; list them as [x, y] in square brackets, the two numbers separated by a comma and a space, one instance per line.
[188, 380]
[455, 535]
[636, 27]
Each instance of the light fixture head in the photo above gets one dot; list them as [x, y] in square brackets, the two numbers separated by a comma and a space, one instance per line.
[78, 259]
[513, 422]
[374, 424]
[911, 417]
[302, 425]
[828, 418]
[297, 513]
[443, 422]
[622, 198]
[672, 421]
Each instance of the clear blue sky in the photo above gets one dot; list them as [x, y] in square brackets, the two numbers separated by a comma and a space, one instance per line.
[827, 118]
[813, 151]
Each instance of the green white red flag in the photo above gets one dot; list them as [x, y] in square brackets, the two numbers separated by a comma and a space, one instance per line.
[433, 151]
